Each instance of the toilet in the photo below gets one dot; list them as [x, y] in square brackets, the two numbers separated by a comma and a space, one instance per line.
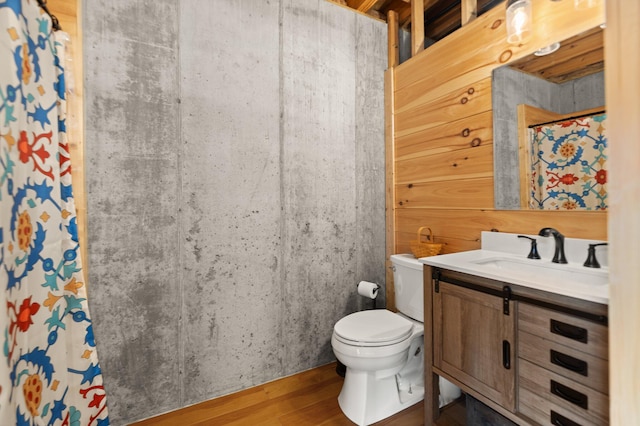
[383, 352]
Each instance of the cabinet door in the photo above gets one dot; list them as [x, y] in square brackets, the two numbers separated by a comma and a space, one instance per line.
[474, 341]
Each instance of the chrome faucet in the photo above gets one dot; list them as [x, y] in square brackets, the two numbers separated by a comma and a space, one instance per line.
[558, 256]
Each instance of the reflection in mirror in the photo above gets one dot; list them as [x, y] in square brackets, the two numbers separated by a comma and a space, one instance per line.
[566, 83]
[563, 159]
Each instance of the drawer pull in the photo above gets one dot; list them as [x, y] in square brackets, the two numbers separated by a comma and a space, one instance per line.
[570, 363]
[569, 331]
[570, 395]
[506, 354]
[558, 420]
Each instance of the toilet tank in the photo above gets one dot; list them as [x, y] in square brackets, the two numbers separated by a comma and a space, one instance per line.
[408, 285]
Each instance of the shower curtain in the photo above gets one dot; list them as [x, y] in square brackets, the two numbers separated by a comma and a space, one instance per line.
[49, 370]
[569, 164]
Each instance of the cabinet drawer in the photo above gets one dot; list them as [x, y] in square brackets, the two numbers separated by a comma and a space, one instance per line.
[581, 367]
[545, 412]
[561, 392]
[577, 333]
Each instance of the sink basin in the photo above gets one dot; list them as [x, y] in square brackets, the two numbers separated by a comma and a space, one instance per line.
[573, 279]
[553, 273]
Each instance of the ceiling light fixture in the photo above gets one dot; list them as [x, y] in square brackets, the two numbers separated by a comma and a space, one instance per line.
[519, 21]
[547, 50]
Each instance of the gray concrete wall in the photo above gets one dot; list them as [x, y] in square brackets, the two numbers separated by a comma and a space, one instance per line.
[235, 175]
[511, 88]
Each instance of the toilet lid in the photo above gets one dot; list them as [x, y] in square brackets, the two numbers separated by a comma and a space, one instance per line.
[377, 326]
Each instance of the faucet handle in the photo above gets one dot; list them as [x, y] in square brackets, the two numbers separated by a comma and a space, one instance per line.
[533, 254]
[592, 261]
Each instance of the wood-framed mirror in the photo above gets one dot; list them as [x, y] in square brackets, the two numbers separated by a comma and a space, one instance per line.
[567, 82]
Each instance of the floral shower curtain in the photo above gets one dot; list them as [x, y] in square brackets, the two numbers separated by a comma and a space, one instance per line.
[569, 164]
[49, 370]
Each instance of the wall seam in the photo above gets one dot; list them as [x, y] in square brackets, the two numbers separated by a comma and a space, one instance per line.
[356, 154]
[282, 221]
[179, 214]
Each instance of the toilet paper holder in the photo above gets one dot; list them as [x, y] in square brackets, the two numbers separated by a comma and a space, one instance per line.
[368, 289]
[377, 285]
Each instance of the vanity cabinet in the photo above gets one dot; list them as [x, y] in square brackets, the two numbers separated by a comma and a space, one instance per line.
[534, 357]
[473, 340]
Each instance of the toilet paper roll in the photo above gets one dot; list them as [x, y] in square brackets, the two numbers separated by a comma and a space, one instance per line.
[367, 289]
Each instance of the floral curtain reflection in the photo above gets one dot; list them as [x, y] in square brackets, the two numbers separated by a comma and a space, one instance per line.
[569, 164]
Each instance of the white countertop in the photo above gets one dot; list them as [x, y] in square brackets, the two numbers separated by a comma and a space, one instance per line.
[496, 260]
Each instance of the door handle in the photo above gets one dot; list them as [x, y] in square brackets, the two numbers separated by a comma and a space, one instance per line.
[506, 354]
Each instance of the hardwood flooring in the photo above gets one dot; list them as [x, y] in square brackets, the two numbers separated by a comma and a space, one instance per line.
[309, 398]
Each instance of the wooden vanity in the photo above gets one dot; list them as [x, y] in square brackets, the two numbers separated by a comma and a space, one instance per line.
[535, 357]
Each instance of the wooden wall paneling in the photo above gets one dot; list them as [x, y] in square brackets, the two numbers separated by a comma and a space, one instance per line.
[460, 229]
[429, 190]
[622, 47]
[461, 194]
[68, 13]
[593, 61]
[473, 131]
[472, 52]
[389, 141]
[450, 245]
[467, 163]
[463, 101]
[571, 55]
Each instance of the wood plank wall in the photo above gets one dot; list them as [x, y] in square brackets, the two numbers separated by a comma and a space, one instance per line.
[68, 13]
[442, 139]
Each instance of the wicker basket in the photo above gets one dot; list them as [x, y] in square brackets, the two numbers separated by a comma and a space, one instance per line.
[424, 245]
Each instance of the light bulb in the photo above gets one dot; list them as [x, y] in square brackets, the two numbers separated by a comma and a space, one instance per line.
[519, 21]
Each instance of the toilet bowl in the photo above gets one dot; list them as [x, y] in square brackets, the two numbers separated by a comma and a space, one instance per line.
[383, 352]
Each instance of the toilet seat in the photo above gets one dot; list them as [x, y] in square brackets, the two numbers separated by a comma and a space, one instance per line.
[378, 327]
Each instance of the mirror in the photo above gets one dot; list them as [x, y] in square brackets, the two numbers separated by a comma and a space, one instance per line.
[568, 83]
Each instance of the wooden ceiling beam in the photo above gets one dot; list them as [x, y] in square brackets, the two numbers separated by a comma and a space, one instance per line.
[404, 16]
[429, 3]
[393, 47]
[469, 11]
[417, 26]
[361, 5]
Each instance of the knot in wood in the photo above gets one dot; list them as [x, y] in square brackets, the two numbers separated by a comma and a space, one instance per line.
[505, 56]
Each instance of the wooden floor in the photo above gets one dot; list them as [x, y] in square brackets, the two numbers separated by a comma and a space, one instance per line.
[308, 398]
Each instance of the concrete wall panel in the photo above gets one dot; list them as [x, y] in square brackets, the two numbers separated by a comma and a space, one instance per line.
[235, 170]
[371, 58]
[131, 91]
[231, 188]
[318, 72]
